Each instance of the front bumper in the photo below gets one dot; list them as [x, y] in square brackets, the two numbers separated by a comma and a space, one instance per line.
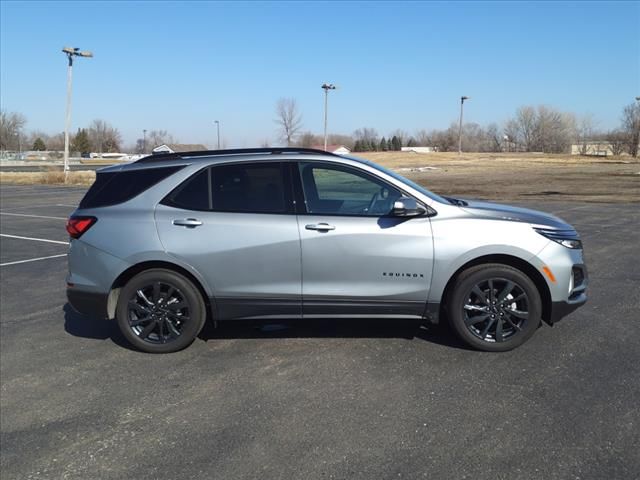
[559, 310]
[91, 304]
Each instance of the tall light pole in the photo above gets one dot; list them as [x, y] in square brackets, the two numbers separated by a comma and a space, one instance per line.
[144, 141]
[70, 53]
[326, 87]
[217, 122]
[462, 99]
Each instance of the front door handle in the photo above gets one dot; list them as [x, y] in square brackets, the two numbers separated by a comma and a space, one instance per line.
[322, 227]
[188, 222]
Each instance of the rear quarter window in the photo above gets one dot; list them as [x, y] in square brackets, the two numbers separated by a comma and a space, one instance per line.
[112, 188]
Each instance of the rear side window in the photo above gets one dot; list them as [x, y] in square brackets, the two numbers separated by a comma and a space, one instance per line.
[111, 188]
[193, 193]
[256, 188]
[241, 188]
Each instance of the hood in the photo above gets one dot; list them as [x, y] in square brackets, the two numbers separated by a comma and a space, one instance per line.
[514, 214]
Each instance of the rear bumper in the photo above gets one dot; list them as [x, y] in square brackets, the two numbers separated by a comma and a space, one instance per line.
[91, 304]
[559, 310]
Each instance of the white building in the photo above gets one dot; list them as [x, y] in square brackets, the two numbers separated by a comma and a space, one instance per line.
[418, 149]
[179, 147]
[337, 149]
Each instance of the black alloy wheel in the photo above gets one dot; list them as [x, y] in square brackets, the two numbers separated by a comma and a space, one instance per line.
[494, 307]
[160, 311]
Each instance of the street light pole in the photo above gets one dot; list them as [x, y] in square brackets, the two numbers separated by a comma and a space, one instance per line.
[462, 99]
[326, 87]
[217, 122]
[70, 53]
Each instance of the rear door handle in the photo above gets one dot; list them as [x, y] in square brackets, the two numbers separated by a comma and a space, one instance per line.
[322, 227]
[188, 222]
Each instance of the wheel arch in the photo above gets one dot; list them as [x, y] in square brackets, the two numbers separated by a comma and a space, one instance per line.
[132, 271]
[509, 260]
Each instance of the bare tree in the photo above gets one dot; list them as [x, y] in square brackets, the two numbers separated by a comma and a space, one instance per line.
[288, 118]
[423, 139]
[155, 138]
[11, 126]
[617, 141]
[584, 133]
[541, 129]
[631, 127]
[103, 137]
[308, 139]
[56, 142]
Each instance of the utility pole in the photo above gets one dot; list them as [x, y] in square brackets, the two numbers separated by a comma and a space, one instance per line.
[326, 87]
[144, 141]
[217, 122]
[462, 99]
[70, 53]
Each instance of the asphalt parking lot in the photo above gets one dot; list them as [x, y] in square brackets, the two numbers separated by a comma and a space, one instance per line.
[326, 399]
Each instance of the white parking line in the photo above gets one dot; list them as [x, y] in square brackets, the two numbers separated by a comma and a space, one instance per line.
[32, 260]
[34, 239]
[33, 216]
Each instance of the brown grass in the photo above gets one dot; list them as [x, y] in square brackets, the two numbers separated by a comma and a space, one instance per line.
[517, 176]
[50, 176]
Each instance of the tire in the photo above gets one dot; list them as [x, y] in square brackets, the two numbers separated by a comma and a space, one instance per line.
[160, 311]
[494, 307]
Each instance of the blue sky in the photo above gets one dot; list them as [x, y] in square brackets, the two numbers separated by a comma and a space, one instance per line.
[181, 65]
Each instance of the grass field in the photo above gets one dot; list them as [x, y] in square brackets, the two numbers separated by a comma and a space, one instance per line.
[501, 176]
[506, 176]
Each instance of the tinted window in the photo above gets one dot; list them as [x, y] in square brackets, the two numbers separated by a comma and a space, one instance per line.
[111, 188]
[257, 188]
[341, 191]
[192, 194]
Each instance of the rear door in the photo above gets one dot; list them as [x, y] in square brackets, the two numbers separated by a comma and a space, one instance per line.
[235, 224]
[357, 259]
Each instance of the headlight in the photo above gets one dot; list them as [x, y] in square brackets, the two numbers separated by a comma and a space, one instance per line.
[566, 238]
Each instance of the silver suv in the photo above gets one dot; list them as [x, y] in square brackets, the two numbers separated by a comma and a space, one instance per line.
[166, 242]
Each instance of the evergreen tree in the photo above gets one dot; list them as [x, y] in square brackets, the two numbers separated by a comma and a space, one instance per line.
[396, 144]
[411, 142]
[39, 145]
[357, 147]
[81, 142]
[383, 145]
[389, 144]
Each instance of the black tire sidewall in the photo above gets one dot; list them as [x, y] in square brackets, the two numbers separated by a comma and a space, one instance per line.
[192, 295]
[476, 275]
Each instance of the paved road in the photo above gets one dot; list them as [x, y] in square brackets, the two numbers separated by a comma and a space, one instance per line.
[317, 400]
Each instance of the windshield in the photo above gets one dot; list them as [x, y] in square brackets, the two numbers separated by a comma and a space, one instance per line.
[405, 180]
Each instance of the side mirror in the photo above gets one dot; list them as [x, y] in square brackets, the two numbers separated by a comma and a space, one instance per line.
[407, 207]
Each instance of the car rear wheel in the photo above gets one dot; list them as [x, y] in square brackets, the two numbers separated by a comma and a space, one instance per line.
[494, 307]
[160, 311]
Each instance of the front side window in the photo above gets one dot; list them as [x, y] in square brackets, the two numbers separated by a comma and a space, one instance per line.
[336, 190]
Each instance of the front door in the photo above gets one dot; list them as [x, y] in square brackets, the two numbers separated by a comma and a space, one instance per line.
[235, 225]
[358, 260]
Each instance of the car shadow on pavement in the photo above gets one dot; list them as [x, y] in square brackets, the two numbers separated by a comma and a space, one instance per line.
[333, 328]
[93, 328]
[88, 327]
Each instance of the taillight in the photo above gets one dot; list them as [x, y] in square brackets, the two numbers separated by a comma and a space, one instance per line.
[76, 226]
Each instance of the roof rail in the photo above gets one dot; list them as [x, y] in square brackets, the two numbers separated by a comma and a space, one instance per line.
[233, 151]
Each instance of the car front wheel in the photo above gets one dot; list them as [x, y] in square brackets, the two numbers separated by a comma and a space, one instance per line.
[494, 307]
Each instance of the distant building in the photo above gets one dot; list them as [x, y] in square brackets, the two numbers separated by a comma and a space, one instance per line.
[418, 149]
[179, 147]
[337, 149]
[596, 149]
